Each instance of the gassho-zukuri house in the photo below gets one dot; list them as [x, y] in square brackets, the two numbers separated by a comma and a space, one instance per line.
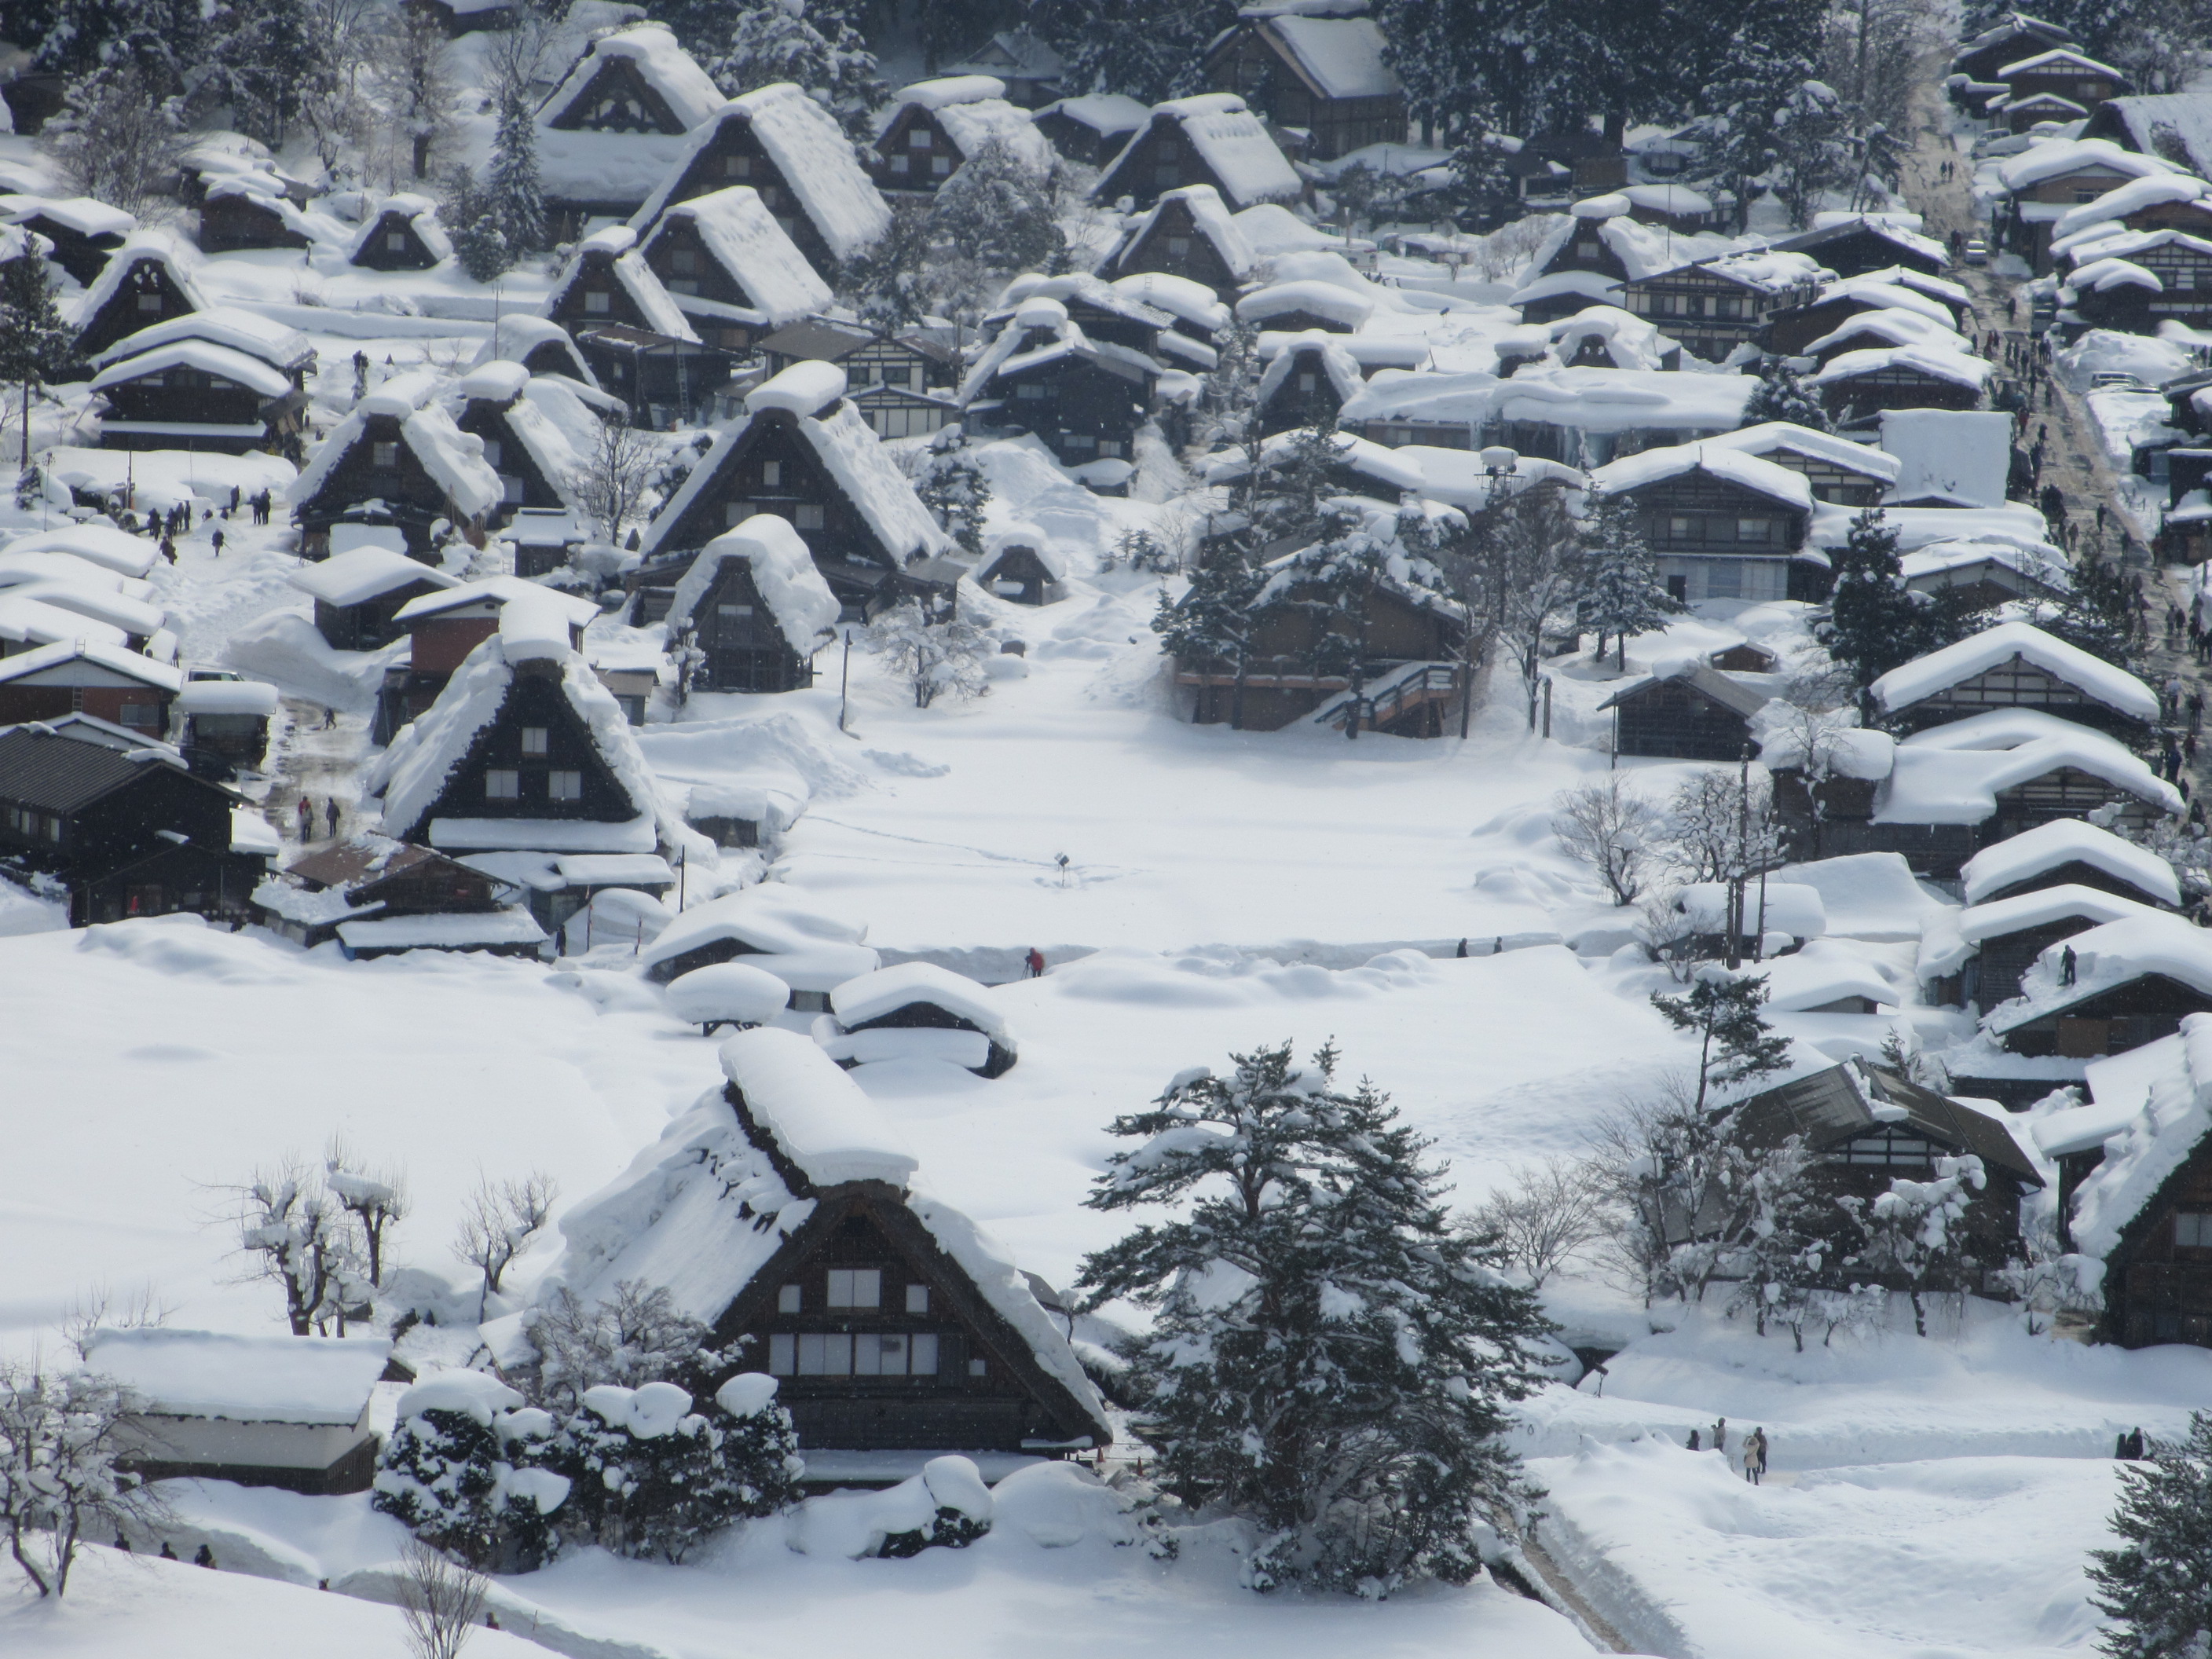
[783, 1211]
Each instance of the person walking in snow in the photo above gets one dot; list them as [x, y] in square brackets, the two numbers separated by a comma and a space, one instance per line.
[2067, 966]
[330, 815]
[1754, 1456]
[1720, 1437]
[306, 816]
[169, 549]
[217, 539]
[1694, 1446]
[1036, 961]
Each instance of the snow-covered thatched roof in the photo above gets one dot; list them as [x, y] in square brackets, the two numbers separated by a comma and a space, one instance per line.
[615, 249]
[1231, 142]
[1210, 214]
[453, 458]
[2154, 1107]
[362, 574]
[2062, 841]
[1315, 349]
[418, 213]
[784, 575]
[1733, 466]
[743, 238]
[973, 111]
[161, 248]
[888, 989]
[1321, 299]
[232, 326]
[1923, 676]
[255, 375]
[517, 335]
[811, 152]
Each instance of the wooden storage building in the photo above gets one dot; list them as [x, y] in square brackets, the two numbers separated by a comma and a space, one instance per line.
[1093, 129]
[145, 283]
[358, 594]
[1690, 712]
[1189, 233]
[404, 234]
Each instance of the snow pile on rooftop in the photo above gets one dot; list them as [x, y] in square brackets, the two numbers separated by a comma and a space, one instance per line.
[1789, 907]
[784, 575]
[247, 1379]
[2172, 1116]
[813, 1111]
[776, 928]
[357, 576]
[745, 241]
[804, 388]
[2042, 906]
[871, 996]
[1752, 473]
[533, 627]
[2108, 954]
[1961, 786]
[1960, 455]
[102, 545]
[2067, 840]
[1923, 676]
[728, 991]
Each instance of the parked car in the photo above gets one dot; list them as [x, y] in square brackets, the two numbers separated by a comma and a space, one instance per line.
[1977, 250]
[2115, 380]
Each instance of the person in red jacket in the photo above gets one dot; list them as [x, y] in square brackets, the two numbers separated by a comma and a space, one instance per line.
[1035, 963]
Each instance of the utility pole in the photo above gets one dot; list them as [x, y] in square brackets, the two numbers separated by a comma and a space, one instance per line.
[845, 677]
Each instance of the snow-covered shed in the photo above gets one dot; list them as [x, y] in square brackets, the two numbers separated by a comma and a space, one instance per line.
[802, 452]
[140, 622]
[756, 608]
[377, 897]
[398, 448]
[917, 1010]
[258, 1411]
[1189, 233]
[1856, 387]
[618, 122]
[1884, 325]
[2134, 1185]
[524, 749]
[540, 344]
[1316, 67]
[358, 594]
[402, 234]
[937, 127]
[1209, 139]
[1309, 377]
[1290, 307]
[2068, 851]
[147, 280]
[1792, 328]
[82, 232]
[1020, 564]
[786, 146]
[194, 394]
[1684, 711]
[249, 209]
[1046, 374]
[225, 724]
[731, 268]
[783, 1211]
[128, 832]
[812, 952]
[2015, 665]
[76, 671]
[1091, 129]
[1722, 523]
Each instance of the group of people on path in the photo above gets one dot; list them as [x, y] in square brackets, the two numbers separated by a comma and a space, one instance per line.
[305, 812]
[1753, 1453]
[177, 521]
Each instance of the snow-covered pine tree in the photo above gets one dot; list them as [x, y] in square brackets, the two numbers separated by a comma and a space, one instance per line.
[1781, 395]
[653, 1479]
[449, 1471]
[2098, 611]
[2154, 1584]
[1915, 1231]
[1873, 622]
[163, 39]
[1813, 149]
[1462, 63]
[954, 490]
[1734, 1043]
[1624, 593]
[471, 220]
[815, 47]
[516, 197]
[1149, 50]
[1212, 622]
[889, 284]
[36, 346]
[1773, 49]
[266, 65]
[1327, 1355]
[1482, 191]
[998, 213]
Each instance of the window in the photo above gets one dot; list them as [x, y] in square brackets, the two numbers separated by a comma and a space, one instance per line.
[825, 1353]
[1167, 175]
[1109, 447]
[856, 1287]
[384, 456]
[1753, 529]
[598, 302]
[395, 241]
[1678, 529]
[1886, 1146]
[2192, 1230]
[1178, 247]
[771, 473]
[683, 262]
[940, 164]
[787, 1299]
[1586, 250]
[217, 383]
[736, 512]
[917, 1298]
[149, 302]
[917, 138]
[737, 166]
[898, 164]
[734, 611]
[502, 783]
[491, 452]
[1029, 389]
[921, 1354]
[510, 488]
[564, 786]
[783, 1351]
[533, 740]
[978, 1368]
[879, 1355]
[1307, 382]
[139, 714]
[807, 515]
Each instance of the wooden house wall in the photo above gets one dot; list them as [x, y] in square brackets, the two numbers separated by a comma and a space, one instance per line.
[1860, 251]
[1586, 249]
[145, 296]
[735, 156]
[1081, 411]
[687, 267]
[1840, 486]
[403, 484]
[1174, 245]
[438, 645]
[395, 245]
[1256, 66]
[435, 886]
[1161, 158]
[2002, 961]
[1709, 314]
[1076, 141]
[2085, 86]
[1990, 1233]
[746, 650]
[185, 395]
[533, 700]
[228, 223]
[2063, 793]
[1698, 513]
[1306, 396]
[574, 310]
[1788, 330]
[2017, 684]
[2113, 1022]
[116, 864]
[915, 154]
[1858, 395]
[2187, 297]
[619, 98]
[141, 708]
[1671, 719]
[2156, 1289]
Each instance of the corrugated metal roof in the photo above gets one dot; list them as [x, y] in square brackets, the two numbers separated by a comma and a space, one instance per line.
[1829, 1106]
[1709, 682]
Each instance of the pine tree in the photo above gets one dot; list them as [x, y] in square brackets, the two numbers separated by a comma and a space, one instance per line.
[1464, 63]
[1781, 395]
[1874, 623]
[1734, 1044]
[1624, 593]
[2154, 1584]
[472, 219]
[1210, 625]
[1327, 1355]
[516, 200]
[954, 490]
[2098, 613]
[1813, 151]
[998, 213]
[267, 64]
[816, 47]
[1482, 191]
[163, 40]
[448, 1474]
[37, 348]
[1148, 50]
[890, 284]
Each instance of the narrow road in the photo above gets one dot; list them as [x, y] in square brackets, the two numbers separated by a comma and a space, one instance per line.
[321, 765]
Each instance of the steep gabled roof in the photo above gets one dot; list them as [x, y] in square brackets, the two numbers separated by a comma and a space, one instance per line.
[2155, 1106]
[783, 573]
[746, 241]
[224, 325]
[159, 248]
[2063, 842]
[690, 91]
[615, 248]
[1210, 217]
[1850, 1099]
[1652, 467]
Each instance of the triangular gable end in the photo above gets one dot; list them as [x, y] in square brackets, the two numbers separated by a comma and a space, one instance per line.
[145, 295]
[534, 698]
[618, 98]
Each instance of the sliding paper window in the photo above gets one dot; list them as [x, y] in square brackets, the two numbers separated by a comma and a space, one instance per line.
[841, 1353]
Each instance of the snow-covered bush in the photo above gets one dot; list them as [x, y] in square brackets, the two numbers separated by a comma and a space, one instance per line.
[634, 1337]
[60, 1435]
[935, 659]
[1915, 1231]
[946, 1506]
[953, 488]
[466, 1470]
[654, 1478]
